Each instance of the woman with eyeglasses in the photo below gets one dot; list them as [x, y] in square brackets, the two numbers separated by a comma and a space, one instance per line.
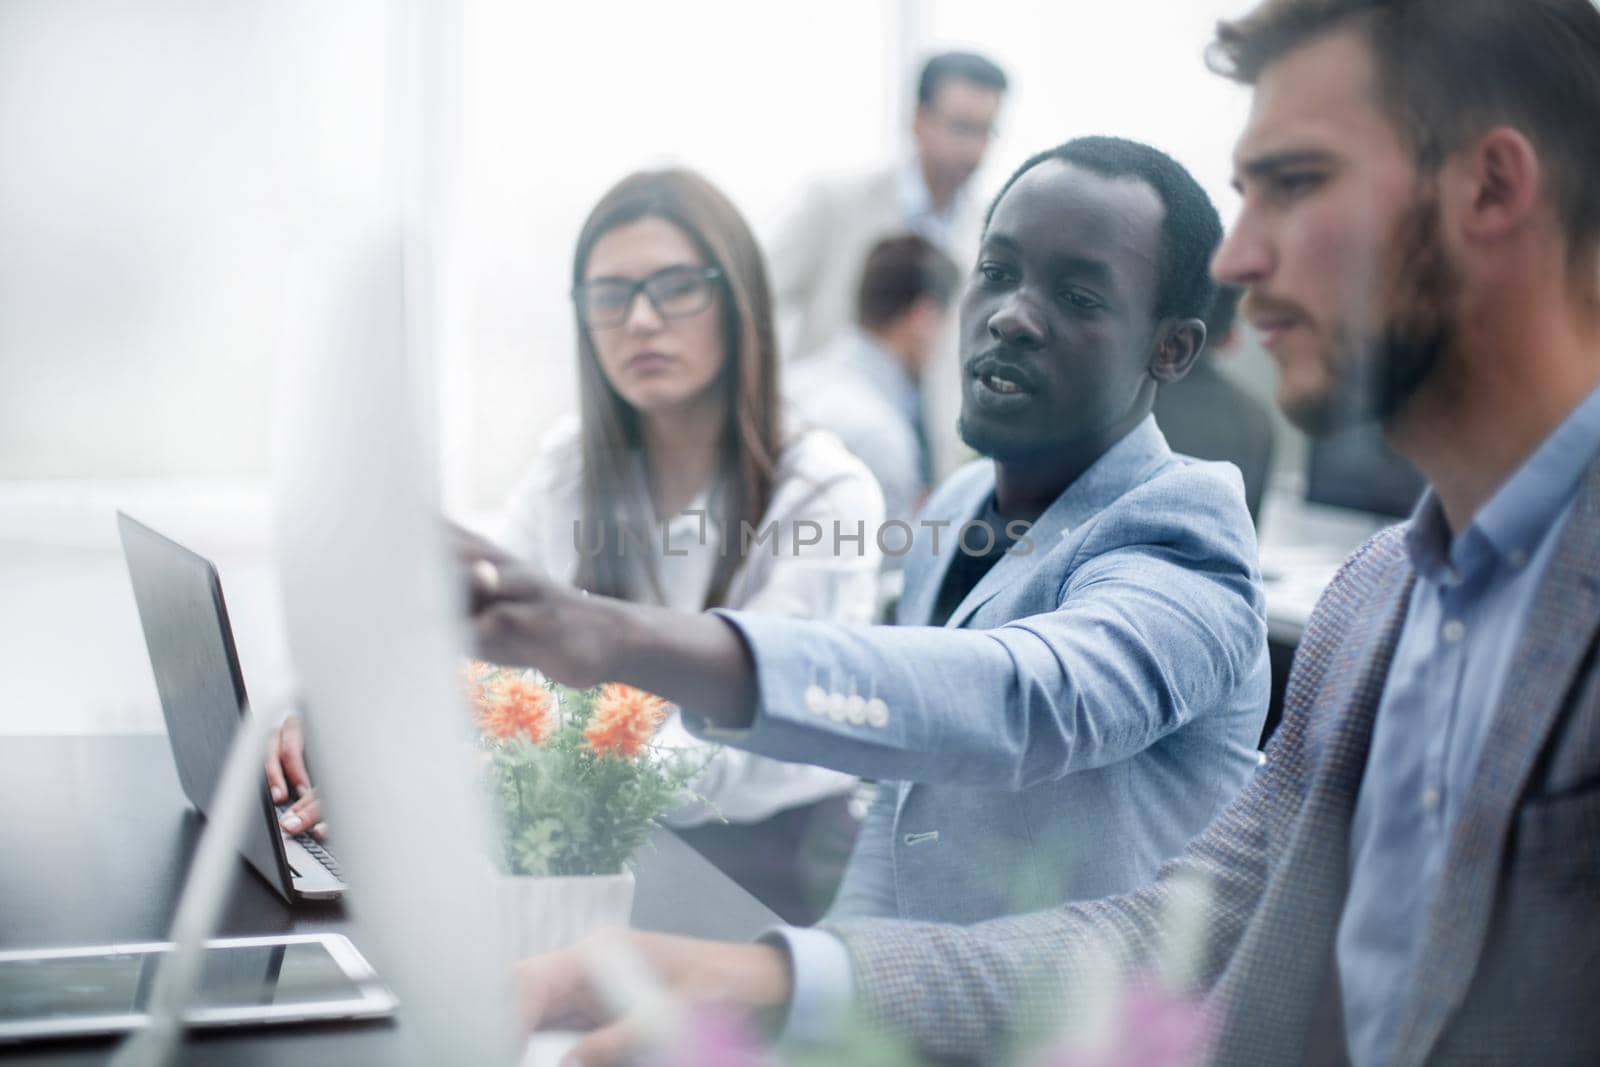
[679, 484]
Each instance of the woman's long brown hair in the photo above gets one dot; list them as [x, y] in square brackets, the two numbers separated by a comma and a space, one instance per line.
[752, 431]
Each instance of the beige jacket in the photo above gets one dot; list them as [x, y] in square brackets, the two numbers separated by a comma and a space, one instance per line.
[816, 260]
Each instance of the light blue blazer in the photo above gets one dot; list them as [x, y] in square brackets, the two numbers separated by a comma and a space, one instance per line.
[1084, 712]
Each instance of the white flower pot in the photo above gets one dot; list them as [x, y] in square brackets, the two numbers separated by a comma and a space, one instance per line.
[540, 914]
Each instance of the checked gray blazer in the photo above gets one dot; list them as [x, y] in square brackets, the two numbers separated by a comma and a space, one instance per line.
[1510, 965]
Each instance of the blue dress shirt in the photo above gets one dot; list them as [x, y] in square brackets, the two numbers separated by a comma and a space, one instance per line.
[1471, 598]
[856, 389]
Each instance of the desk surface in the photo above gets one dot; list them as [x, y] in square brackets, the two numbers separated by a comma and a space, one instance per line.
[95, 844]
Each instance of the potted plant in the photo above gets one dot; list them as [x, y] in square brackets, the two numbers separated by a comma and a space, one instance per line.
[576, 785]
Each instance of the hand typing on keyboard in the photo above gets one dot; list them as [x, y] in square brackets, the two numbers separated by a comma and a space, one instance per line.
[322, 855]
[287, 775]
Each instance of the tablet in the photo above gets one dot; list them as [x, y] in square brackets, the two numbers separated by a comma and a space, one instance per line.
[246, 981]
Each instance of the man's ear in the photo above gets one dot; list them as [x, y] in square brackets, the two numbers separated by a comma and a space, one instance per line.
[1178, 342]
[1504, 180]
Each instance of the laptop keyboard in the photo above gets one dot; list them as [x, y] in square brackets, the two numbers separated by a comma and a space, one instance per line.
[324, 857]
[313, 846]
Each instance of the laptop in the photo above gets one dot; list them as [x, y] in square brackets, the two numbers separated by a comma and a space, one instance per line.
[190, 641]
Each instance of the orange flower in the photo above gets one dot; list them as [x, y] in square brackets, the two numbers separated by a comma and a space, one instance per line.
[480, 698]
[478, 677]
[624, 719]
[513, 707]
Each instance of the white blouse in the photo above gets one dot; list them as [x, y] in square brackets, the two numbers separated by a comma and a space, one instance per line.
[818, 482]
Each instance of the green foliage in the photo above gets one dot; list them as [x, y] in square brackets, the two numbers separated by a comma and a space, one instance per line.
[567, 810]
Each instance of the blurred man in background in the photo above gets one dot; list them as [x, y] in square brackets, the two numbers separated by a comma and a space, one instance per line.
[864, 385]
[816, 256]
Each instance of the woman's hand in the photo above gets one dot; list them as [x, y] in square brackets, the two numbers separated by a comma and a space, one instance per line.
[286, 772]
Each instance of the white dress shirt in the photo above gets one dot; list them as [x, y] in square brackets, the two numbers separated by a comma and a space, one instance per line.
[820, 489]
[940, 227]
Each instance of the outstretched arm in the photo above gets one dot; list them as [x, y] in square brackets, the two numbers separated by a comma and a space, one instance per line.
[524, 618]
[1140, 640]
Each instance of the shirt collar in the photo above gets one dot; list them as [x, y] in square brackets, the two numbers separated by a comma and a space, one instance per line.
[1516, 518]
[873, 359]
[916, 203]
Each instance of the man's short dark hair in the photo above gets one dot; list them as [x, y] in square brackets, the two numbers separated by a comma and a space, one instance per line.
[899, 271]
[966, 65]
[1449, 69]
[1190, 229]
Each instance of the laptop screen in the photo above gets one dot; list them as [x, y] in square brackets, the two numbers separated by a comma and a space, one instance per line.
[196, 666]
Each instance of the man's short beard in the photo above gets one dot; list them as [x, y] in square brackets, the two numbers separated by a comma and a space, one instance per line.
[976, 436]
[1379, 374]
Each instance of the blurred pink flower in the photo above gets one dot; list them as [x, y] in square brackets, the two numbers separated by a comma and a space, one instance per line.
[714, 1037]
[1154, 1028]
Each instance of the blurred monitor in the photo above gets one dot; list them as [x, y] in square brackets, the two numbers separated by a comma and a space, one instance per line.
[1354, 468]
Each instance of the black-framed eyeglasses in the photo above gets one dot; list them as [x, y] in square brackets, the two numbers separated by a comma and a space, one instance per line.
[675, 292]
